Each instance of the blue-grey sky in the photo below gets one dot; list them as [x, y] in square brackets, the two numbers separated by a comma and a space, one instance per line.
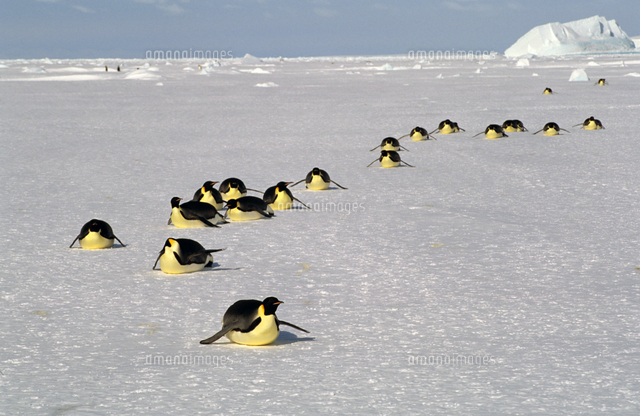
[271, 28]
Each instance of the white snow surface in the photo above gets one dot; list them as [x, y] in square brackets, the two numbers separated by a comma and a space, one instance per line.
[496, 277]
[595, 34]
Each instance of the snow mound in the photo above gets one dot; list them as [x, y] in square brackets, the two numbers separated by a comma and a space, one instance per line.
[142, 74]
[579, 75]
[34, 70]
[267, 85]
[250, 60]
[522, 62]
[259, 71]
[632, 74]
[592, 35]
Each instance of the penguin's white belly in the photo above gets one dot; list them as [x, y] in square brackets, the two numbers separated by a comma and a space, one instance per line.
[94, 241]
[282, 202]
[236, 215]
[390, 147]
[417, 137]
[447, 130]
[492, 134]
[386, 162]
[232, 194]
[265, 333]
[169, 264]
[212, 201]
[317, 184]
[179, 221]
[551, 132]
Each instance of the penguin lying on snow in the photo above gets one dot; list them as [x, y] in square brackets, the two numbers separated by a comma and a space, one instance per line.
[279, 197]
[193, 214]
[233, 188]
[251, 322]
[389, 143]
[207, 193]
[591, 124]
[96, 234]
[181, 255]
[551, 129]
[417, 134]
[447, 127]
[248, 208]
[493, 131]
[318, 180]
[390, 159]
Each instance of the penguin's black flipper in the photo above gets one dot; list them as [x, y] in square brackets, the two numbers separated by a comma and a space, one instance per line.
[374, 148]
[123, 245]
[207, 222]
[157, 260]
[298, 182]
[292, 326]
[338, 185]
[200, 256]
[225, 329]
[265, 213]
[302, 203]
[74, 241]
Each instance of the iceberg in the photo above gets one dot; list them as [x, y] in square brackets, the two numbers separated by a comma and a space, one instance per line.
[592, 35]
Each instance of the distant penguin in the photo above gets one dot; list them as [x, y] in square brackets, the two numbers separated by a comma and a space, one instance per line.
[389, 143]
[251, 322]
[548, 91]
[96, 234]
[118, 69]
[591, 124]
[181, 255]
[318, 180]
[447, 127]
[512, 126]
[207, 193]
[493, 131]
[248, 208]
[106, 68]
[193, 214]
[417, 134]
[602, 81]
[389, 159]
[551, 129]
[279, 197]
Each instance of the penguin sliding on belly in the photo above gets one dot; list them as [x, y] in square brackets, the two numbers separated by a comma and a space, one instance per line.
[447, 127]
[318, 180]
[207, 193]
[248, 208]
[389, 143]
[96, 234]
[251, 322]
[389, 159]
[493, 131]
[182, 255]
[279, 197]
[233, 188]
[551, 129]
[193, 214]
[591, 124]
[513, 126]
[417, 134]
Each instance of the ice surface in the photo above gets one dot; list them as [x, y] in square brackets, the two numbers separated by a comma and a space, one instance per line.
[496, 277]
[592, 35]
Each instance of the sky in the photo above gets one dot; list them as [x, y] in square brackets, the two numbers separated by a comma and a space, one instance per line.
[129, 29]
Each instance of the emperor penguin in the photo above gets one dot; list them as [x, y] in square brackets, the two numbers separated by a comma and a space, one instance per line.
[389, 159]
[417, 134]
[248, 208]
[602, 81]
[233, 188]
[493, 131]
[207, 193]
[318, 180]
[389, 143]
[512, 126]
[551, 129]
[251, 322]
[447, 127]
[279, 197]
[193, 214]
[181, 255]
[591, 124]
[548, 91]
[96, 234]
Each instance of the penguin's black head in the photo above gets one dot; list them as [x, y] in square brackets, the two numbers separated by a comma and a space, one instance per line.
[94, 226]
[208, 185]
[232, 203]
[315, 171]
[282, 185]
[175, 202]
[508, 123]
[551, 125]
[384, 153]
[392, 141]
[270, 305]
